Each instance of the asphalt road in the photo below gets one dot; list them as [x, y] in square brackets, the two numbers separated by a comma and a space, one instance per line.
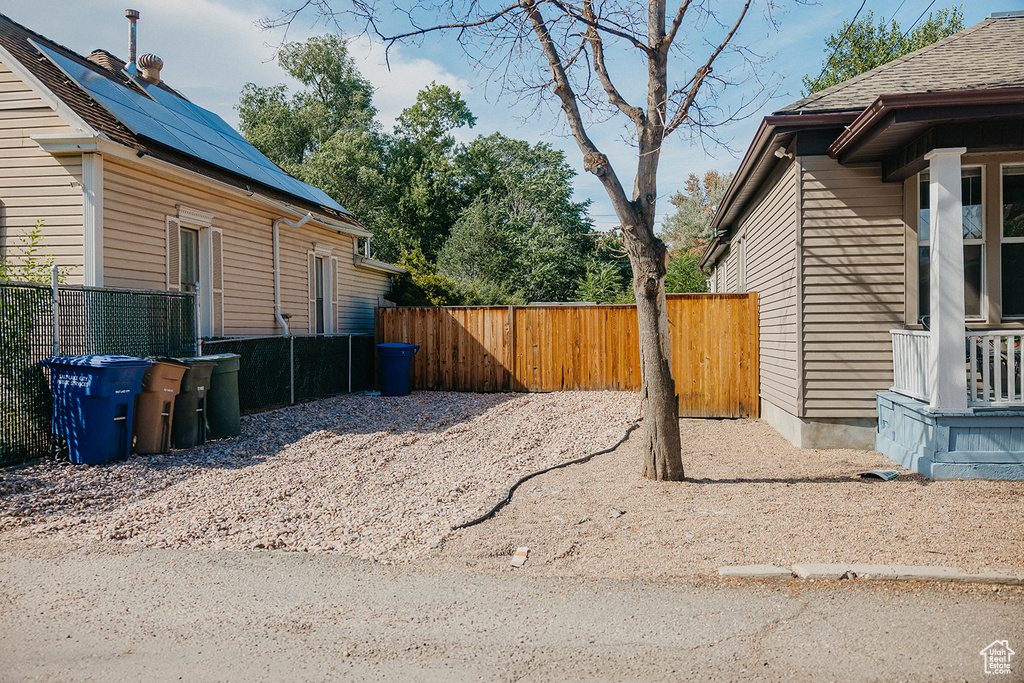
[108, 614]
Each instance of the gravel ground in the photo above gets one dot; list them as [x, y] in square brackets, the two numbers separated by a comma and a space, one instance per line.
[388, 479]
[751, 498]
[371, 477]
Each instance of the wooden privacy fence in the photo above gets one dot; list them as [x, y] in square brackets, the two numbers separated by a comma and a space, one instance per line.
[714, 341]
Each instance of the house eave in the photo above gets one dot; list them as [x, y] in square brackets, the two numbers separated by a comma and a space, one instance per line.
[926, 108]
[82, 143]
[379, 266]
[757, 164]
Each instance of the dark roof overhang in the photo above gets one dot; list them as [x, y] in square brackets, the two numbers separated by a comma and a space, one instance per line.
[757, 164]
[894, 129]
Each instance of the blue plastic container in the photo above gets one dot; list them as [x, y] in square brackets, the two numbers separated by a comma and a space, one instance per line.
[93, 402]
[395, 368]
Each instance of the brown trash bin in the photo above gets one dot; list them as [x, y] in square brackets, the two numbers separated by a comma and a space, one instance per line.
[154, 407]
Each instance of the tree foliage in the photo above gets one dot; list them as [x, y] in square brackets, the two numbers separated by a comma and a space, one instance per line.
[522, 238]
[29, 265]
[862, 45]
[690, 225]
[684, 274]
[335, 98]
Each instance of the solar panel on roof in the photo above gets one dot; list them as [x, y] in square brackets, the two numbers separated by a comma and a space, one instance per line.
[186, 127]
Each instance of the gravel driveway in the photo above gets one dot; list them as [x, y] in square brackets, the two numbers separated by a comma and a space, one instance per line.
[367, 476]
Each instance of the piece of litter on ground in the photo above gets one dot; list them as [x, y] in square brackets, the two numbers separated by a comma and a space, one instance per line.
[884, 475]
[615, 513]
[558, 519]
[519, 558]
[583, 520]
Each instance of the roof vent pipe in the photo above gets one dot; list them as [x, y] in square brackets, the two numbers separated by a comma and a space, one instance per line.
[133, 17]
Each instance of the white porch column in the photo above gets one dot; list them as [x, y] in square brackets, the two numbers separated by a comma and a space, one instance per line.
[948, 329]
[92, 219]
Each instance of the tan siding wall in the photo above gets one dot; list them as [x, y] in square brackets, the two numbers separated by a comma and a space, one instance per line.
[135, 205]
[853, 285]
[731, 261]
[35, 185]
[770, 244]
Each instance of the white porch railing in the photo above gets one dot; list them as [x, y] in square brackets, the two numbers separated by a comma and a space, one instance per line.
[910, 363]
[993, 363]
[995, 374]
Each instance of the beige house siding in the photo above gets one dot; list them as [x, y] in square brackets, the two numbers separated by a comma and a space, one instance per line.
[34, 184]
[853, 267]
[769, 236]
[136, 203]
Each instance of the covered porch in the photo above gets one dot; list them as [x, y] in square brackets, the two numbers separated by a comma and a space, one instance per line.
[956, 405]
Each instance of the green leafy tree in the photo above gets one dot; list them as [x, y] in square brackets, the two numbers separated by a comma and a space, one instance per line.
[522, 238]
[422, 285]
[684, 275]
[862, 45]
[690, 225]
[335, 97]
[424, 187]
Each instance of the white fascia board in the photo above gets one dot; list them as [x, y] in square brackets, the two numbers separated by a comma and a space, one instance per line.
[45, 94]
[380, 266]
[76, 143]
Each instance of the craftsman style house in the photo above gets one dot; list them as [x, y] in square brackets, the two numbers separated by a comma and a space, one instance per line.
[137, 187]
[881, 221]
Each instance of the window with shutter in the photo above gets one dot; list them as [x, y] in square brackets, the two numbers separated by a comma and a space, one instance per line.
[173, 254]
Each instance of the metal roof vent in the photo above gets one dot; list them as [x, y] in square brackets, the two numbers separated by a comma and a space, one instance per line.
[151, 65]
[132, 16]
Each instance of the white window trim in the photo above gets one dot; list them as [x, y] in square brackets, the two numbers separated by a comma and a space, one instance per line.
[1005, 240]
[210, 325]
[983, 303]
[194, 217]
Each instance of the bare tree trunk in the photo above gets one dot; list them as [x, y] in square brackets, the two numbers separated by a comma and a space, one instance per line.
[661, 447]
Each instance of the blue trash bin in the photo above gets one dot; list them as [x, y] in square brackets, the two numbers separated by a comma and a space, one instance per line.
[93, 404]
[395, 368]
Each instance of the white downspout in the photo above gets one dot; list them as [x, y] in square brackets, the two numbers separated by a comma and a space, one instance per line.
[277, 268]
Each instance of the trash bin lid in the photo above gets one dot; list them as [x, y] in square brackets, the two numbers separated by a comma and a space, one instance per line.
[398, 349]
[96, 360]
[225, 362]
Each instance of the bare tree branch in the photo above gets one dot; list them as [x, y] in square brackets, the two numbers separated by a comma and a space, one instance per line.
[702, 73]
[600, 68]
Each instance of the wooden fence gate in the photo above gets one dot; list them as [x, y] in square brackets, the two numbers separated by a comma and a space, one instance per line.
[714, 341]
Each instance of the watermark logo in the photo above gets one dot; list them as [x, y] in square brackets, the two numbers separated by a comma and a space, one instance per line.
[997, 657]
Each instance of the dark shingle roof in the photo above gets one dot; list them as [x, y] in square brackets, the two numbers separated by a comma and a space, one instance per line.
[986, 55]
[17, 40]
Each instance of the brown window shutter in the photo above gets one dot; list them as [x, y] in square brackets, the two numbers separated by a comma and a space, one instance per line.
[173, 279]
[311, 271]
[217, 264]
[334, 294]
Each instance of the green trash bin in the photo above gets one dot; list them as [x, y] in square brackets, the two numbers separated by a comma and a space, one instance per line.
[222, 414]
[189, 426]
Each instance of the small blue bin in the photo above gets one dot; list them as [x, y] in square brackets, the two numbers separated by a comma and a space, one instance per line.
[395, 368]
[93, 402]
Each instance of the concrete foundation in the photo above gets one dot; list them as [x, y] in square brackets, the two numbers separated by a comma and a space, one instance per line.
[820, 433]
[988, 444]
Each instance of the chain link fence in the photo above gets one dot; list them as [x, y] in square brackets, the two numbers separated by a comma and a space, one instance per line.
[276, 371]
[38, 321]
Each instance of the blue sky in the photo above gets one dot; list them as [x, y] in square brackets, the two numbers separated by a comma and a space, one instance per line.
[212, 48]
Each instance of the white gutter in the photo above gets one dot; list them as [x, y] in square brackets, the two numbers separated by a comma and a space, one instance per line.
[277, 268]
